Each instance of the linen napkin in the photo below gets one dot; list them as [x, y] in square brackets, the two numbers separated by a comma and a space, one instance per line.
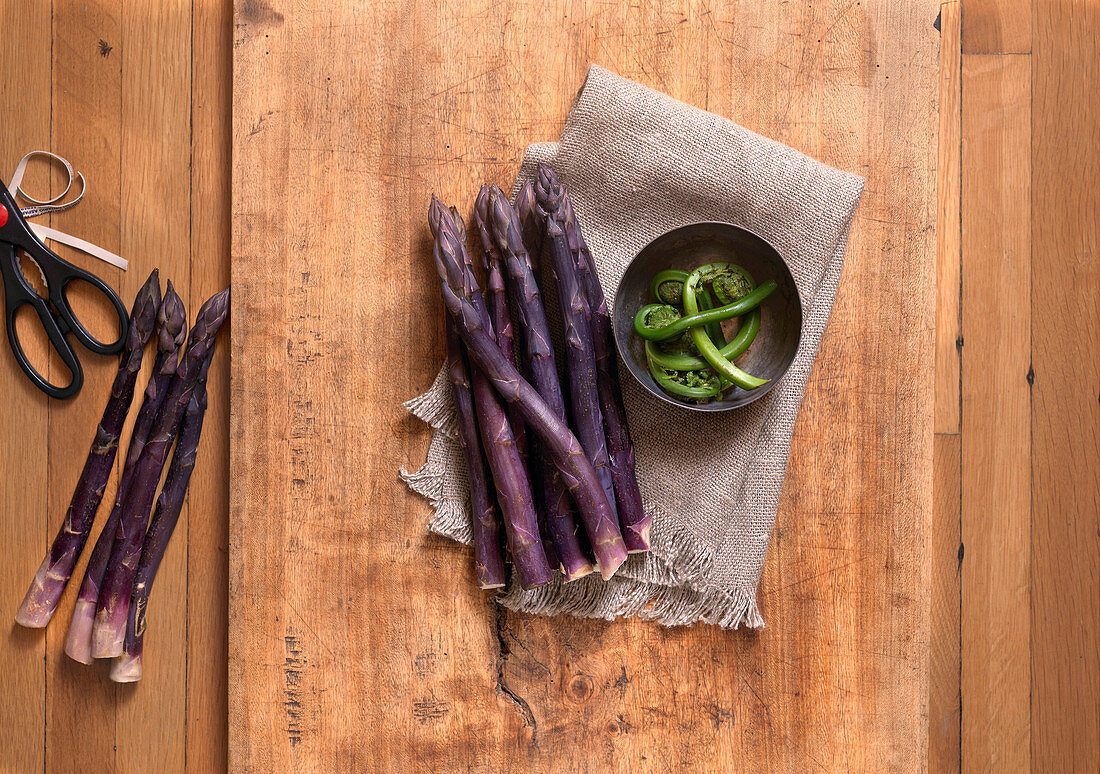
[638, 163]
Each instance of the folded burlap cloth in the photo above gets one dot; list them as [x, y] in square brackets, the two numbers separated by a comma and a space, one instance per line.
[637, 164]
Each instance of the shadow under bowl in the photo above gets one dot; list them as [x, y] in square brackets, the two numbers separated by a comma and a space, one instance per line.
[687, 248]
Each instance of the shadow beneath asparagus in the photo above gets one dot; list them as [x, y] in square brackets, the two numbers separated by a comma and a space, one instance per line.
[23, 639]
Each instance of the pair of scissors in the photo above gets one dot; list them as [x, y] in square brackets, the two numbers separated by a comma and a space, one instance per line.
[54, 311]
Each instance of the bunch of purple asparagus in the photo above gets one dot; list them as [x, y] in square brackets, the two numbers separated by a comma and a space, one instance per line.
[109, 616]
[560, 483]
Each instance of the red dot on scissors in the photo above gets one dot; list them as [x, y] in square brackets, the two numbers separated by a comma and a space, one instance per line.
[3, 215]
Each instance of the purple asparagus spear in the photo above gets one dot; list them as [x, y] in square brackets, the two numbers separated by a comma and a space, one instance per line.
[513, 487]
[112, 607]
[580, 357]
[514, 420]
[531, 216]
[459, 286]
[527, 302]
[486, 522]
[632, 516]
[127, 667]
[52, 576]
[171, 333]
[497, 300]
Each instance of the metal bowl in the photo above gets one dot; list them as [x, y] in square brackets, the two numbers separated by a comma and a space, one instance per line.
[687, 248]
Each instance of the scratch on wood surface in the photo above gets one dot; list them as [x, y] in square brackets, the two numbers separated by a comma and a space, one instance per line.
[292, 674]
[425, 664]
[621, 682]
[257, 126]
[719, 714]
[430, 708]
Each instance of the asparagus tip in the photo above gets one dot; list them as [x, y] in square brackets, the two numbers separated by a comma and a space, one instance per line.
[435, 215]
[143, 314]
[526, 193]
[506, 226]
[460, 224]
[481, 204]
[172, 318]
[126, 669]
[150, 289]
[153, 279]
[211, 316]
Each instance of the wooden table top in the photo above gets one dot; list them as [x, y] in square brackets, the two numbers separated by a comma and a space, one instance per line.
[140, 104]
[359, 643]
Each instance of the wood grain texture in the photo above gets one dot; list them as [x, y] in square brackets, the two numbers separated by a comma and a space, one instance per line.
[1065, 410]
[358, 642]
[208, 496]
[27, 70]
[109, 85]
[948, 197]
[156, 210]
[995, 414]
[997, 26]
[944, 695]
[81, 701]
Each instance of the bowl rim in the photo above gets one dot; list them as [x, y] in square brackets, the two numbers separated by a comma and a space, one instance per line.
[708, 408]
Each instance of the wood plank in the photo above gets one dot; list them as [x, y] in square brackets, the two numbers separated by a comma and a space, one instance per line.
[997, 27]
[944, 721]
[1065, 413]
[358, 642]
[68, 70]
[947, 222]
[208, 497]
[81, 701]
[995, 419]
[23, 453]
[156, 212]
[944, 753]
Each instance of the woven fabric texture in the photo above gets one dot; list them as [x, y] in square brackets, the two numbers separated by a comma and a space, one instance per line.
[638, 163]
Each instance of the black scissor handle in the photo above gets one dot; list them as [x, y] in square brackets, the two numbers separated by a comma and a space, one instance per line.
[57, 339]
[59, 290]
[55, 313]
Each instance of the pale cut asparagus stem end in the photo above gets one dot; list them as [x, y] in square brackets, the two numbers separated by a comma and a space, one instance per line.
[78, 641]
[636, 537]
[490, 586]
[126, 669]
[607, 570]
[108, 636]
[587, 569]
[35, 613]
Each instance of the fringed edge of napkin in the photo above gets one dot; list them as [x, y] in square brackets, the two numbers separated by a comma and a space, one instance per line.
[593, 597]
[654, 586]
[450, 517]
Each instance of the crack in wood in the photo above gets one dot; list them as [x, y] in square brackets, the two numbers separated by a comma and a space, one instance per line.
[505, 650]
